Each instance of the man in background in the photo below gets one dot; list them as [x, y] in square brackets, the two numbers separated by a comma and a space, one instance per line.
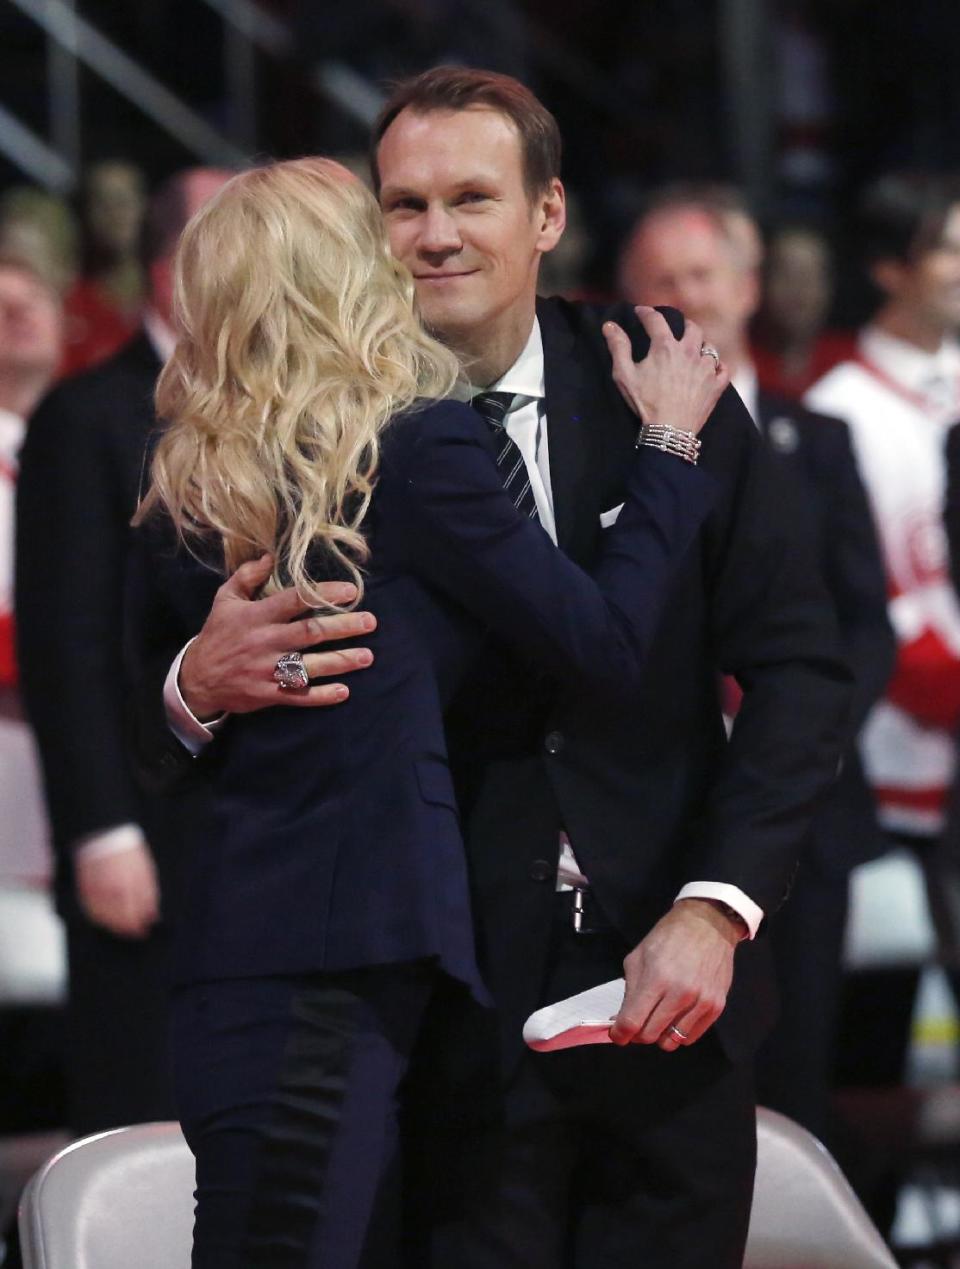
[697, 247]
[900, 394]
[116, 850]
[792, 345]
[103, 305]
[30, 1037]
[31, 333]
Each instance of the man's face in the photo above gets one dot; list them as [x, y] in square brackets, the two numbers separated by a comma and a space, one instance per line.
[458, 216]
[799, 287]
[30, 323]
[681, 258]
[932, 283]
[115, 205]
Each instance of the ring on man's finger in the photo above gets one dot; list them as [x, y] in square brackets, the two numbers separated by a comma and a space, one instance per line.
[677, 1033]
[290, 671]
[708, 350]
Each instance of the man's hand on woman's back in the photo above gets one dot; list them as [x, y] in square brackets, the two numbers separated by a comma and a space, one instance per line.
[228, 669]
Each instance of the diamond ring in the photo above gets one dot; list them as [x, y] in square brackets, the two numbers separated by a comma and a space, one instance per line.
[290, 671]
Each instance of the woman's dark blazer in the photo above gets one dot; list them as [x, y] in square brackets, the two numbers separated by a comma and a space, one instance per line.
[333, 839]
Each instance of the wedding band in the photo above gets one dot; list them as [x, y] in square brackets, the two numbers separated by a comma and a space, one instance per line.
[290, 671]
[708, 350]
[677, 1032]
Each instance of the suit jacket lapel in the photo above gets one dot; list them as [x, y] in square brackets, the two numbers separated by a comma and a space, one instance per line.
[565, 377]
[781, 427]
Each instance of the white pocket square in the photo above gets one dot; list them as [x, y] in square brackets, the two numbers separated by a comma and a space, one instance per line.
[610, 517]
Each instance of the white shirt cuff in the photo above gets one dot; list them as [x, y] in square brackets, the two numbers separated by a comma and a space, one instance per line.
[109, 841]
[188, 729]
[733, 896]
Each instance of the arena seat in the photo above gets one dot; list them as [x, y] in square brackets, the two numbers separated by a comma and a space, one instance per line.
[116, 1200]
[125, 1198]
[805, 1215]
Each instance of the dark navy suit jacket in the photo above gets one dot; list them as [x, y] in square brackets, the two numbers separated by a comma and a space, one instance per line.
[333, 837]
[818, 449]
[650, 791]
[80, 474]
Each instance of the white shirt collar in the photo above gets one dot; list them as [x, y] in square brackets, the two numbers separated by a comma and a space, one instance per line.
[161, 336]
[745, 382]
[525, 378]
[910, 366]
[12, 431]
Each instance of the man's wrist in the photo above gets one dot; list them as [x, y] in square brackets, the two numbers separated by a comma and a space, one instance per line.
[189, 731]
[733, 916]
[116, 840]
[197, 702]
[731, 895]
[724, 919]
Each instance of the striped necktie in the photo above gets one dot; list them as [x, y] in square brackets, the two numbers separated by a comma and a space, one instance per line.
[493, 408]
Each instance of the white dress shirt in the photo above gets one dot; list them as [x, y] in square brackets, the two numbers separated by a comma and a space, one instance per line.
[748, 388]
[527, 426]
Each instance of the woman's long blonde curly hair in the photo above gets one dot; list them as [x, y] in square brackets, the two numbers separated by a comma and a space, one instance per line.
[298, 342]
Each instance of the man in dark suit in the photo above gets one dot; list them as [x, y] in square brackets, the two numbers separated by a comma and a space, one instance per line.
[672, 845]
[116, 850]
[697, 247]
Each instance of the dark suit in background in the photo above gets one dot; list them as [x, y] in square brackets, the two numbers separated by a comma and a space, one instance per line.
[652, 796]
[795, 1063]
[78, 487]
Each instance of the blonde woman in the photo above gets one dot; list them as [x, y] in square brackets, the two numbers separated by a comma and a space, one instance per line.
[310, 417]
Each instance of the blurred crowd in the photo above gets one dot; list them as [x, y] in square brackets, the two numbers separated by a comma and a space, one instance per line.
[865, 417]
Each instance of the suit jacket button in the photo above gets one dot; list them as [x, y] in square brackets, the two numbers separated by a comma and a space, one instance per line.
[553, 742]
[542, 870]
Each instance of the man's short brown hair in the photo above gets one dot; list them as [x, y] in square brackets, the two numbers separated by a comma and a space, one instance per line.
[903, 214]
[459, 88]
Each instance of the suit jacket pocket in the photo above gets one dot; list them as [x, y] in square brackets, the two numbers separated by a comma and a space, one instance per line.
[608, 518]
[436, 783]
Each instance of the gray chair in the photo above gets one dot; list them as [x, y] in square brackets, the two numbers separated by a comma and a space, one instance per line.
[805, 1215]
[118, 1200]
[125, 1198]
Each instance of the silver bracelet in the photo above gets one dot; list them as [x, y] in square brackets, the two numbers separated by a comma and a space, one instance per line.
[671, 440]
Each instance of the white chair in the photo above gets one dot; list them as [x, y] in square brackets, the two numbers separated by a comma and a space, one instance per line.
[118, 1200]
[805, 1215]
[125, 1198]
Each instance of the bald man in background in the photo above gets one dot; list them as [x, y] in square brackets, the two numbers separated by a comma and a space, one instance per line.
[115, 849]
[697, 248]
